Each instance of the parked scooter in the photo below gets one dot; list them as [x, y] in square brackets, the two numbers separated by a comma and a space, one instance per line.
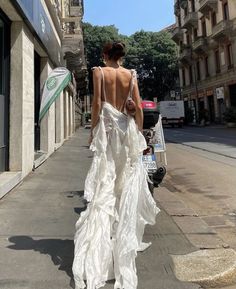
[156, 171]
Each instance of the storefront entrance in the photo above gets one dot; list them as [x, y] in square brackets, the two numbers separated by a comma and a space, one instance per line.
[232, 92]
[4, 90]
[211, 107]
[36, 101]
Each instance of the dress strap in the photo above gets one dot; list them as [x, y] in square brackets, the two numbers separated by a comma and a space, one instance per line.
[133, 77]
[103, 83]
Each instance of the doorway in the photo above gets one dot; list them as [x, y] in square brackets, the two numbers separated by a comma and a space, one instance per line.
[4, 91]
[211, 107]
[37, 100]
[232, 92]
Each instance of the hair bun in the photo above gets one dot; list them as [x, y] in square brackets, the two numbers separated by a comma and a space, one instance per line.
[115, 50]
[118, 45]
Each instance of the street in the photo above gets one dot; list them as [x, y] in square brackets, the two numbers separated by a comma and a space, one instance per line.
[202, 170]
[37, 228]
[198, 211]
[201, 174]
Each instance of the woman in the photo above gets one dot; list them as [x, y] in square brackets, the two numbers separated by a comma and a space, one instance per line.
[109, 233]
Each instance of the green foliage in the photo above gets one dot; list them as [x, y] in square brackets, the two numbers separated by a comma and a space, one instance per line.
[230, 114]
[94, 39]
[152, 54]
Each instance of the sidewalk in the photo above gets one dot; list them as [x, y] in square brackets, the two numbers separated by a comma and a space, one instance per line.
[37, 227]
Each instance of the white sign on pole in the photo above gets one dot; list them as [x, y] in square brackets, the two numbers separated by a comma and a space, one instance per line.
[220, 93]
[158, 139]
[172, 94]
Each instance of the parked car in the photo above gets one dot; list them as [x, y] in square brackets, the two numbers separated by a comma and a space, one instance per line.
[150, 113]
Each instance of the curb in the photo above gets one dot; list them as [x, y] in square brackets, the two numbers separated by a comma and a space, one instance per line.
[208, 268]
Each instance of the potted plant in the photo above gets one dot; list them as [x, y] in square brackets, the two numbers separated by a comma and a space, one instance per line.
[230, 116]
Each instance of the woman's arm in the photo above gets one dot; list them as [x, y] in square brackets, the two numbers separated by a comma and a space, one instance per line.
[96, 104]
[139, 110]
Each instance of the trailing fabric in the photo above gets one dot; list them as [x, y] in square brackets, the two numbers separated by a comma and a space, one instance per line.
[109, 232]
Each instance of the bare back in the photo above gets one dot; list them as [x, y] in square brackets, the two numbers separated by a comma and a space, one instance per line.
[117, 83]
[117, 86]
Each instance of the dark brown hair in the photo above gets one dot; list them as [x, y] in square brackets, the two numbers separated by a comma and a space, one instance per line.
[114, 50]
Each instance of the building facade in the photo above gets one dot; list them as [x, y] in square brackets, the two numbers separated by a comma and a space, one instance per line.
[32, 44]
[206, 35]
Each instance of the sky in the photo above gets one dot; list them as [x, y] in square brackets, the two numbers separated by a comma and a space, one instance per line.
[130, 16]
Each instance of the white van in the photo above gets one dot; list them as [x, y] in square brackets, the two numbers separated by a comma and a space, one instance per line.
[172, 112]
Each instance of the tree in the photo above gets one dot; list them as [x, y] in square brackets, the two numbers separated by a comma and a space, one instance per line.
[152, 54]
[94, 39]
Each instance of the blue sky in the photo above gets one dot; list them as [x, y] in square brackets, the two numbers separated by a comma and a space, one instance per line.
[130, 16]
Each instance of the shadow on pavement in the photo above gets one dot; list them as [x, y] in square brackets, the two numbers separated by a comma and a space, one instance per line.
[61, 251]
[80, 194]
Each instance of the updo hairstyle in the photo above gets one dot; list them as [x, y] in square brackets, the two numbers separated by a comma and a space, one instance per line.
[114, 50]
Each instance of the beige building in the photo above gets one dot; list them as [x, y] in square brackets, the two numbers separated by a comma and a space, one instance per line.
[206, 34]
[36, 36]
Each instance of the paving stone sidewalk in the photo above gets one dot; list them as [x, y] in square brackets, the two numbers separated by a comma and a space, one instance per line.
[37, 226]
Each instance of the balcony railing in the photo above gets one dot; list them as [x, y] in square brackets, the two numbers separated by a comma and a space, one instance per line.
[208, 5]
[222, 29]
[183, 3]
[71, 28]
[191, 20]
[76, 10]
[200, 45]
[177, 34]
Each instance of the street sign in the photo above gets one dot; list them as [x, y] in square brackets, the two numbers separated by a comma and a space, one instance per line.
[220, 93]
[172, 93]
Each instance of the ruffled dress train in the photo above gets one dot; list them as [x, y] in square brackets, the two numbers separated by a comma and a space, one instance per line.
[109, 232]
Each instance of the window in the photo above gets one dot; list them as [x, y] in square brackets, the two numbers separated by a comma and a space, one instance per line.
[195, 34]
[230, 55]
[188, 38]
[181, 46]
[217, 61]
[206, 66]
[183, 77]
[75, 2]
[213, 19]
[193, 5]
[190, 74]
[226, 11]
[203, 23]
[198, 70]
[179, 21]
[186, 11]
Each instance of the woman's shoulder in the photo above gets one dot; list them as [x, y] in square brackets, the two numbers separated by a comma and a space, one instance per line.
[95, 68]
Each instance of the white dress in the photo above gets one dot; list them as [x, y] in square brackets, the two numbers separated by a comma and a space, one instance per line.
[109, 232]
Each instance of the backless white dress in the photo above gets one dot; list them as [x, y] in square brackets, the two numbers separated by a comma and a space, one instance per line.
[109, 232]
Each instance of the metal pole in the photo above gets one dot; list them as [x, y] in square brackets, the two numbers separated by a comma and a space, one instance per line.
[195, 80]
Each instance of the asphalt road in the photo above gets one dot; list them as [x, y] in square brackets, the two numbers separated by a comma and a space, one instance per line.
[216, 139]
[202, 173]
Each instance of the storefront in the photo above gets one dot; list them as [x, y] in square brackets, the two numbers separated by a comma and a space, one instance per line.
[232, 92]
[4, 90]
